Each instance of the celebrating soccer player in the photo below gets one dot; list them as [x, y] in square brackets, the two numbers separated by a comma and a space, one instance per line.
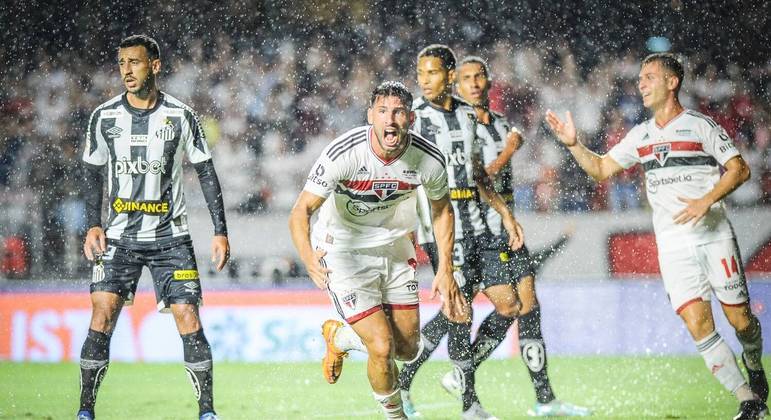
[360, 250]
[681, 152]
[139, 138]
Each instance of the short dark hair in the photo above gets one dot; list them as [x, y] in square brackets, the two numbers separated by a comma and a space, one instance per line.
[151, 45]
[477, 60]
[671, 63]
[392, 88]
[442, 52]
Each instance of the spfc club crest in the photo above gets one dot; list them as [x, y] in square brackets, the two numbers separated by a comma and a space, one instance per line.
[384, 189]
[661, 152]
[349, 300]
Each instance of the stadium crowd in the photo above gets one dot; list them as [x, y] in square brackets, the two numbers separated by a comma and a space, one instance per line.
[270, 99]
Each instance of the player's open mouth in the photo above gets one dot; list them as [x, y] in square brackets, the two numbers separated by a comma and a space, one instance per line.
[390, 136]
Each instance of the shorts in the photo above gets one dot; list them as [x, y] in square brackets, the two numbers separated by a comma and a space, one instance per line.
[363, 281]
[485, 261]
[173, 268]
[691, 273]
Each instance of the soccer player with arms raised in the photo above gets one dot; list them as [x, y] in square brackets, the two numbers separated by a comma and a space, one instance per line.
[139, 138]
[681, 152]
[360, 251]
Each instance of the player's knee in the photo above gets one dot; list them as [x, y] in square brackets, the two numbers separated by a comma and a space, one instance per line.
[700, 327]
[380, 348]
[741, 321]
[408, 350]
[103, 318]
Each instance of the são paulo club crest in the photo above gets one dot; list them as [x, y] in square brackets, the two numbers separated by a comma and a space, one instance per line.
[661, 152]
[384, 189]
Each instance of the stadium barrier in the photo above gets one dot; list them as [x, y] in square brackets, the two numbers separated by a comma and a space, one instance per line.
[579, 318]
[591, 254]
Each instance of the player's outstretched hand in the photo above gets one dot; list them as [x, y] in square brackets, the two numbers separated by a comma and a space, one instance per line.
[695, 210]
[565, 131]
[95, 242]
[316, 271]
[454, 304]
[516, 234]
[220, 251]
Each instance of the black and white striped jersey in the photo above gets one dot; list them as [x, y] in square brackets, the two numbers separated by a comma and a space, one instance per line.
[493, 136]
[454, 132]
[142, 150]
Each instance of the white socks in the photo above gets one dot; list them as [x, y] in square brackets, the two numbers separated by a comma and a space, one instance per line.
[391, 404]
[346, 339]
[721, 362]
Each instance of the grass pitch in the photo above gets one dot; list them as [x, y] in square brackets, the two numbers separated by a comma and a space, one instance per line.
[614, 387]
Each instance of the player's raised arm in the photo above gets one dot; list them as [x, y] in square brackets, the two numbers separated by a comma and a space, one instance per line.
[300, 229]
[598, 167]
[454, 304]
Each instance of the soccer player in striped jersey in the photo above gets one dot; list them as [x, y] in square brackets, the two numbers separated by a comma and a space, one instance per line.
[452, 124]
[681, 152]
[363, 185]
[135, 142]
[500, 142]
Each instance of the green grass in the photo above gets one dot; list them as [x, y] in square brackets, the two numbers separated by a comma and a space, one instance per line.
[615, 387]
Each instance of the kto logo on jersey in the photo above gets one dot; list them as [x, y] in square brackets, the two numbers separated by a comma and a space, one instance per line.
[661, 152]
[140, 166]
[385, 189]
[152, 208]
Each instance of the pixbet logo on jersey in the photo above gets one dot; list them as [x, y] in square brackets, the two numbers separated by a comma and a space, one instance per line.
[140, 166]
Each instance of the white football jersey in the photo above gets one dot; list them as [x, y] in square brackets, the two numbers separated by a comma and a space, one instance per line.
[680, 159]
[363, 210]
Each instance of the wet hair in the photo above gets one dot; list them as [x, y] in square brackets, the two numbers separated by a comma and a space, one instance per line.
[392, 88]
[477, 60]
[153, 51]
[670, 63]
[442, 52]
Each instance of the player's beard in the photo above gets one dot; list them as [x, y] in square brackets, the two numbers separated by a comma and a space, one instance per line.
[145, 87]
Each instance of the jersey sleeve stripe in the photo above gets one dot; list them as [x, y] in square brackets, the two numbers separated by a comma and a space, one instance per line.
[349, 146]
[334, 148]
[709, 120]
[428, 148]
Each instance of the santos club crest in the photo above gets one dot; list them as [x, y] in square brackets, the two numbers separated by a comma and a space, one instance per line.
[384, 189]
[661, 152]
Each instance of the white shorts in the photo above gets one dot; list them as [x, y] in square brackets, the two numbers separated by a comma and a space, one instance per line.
[363, 281]
[691, 273]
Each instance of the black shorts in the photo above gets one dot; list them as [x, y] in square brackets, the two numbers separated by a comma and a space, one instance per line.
[486, 260]
[173, 268]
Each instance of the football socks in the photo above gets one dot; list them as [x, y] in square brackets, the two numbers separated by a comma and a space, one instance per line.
[94, 361]
[533, 352]
[198, 365]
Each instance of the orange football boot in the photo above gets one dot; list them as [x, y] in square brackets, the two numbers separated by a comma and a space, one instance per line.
[332, 363]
